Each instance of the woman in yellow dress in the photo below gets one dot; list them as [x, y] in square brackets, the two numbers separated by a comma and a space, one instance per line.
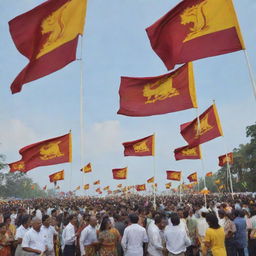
[215, 236]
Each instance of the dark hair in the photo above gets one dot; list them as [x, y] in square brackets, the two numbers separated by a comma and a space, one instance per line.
[6, 217]
[53, 211]
[175, 219]
[70, 217]
[2, 225]
[104, 223]
[45, 217]
[158, 218]
[185, 214]
[25, 219]
[133, 218]
[221, 212]
[212, 220]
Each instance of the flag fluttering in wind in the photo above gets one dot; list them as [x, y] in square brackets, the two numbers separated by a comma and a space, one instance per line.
[209, 128]
[140, 187]
[87, 168]
[97, 182]
[86, 186]
[168, 185]
[208, 174]
[48, 152]
[119, 185]
[217, 181]
[163, 94]
[77, 188]
[141, 147]
[120, 174]
[196, 29]
[151, 180]
[106, 188]
[224, 159]
[57, 176]
[192, 177]
[98, 190]
[205, 191]
[48, 36]
[173, 175]
[188, 152]
[221, 187]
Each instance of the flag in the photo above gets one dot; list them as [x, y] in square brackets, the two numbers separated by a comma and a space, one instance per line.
[141, 147]
[227, 158]
[58, 187]
[154, 186]
[87, 168]
[106, 188]
[119, 185]
[47, 35]
[97, 182]
[45, 187]
[86, 186]
[120, 174]
[77, 188]
[205, 191]
[163, 94]
[221, 187]
[168, 185]
[57, 176]
[151, 180]
[109, 192]
[48, 152]
[33, 187]
[173, 175]
[208, 174]
[217, 182]
[98, 190]
[141, 187]
[188, 152]
[196, 29]
[210, 128]
[192, 177]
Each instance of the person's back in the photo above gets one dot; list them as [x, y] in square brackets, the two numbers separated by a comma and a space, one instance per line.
[240, 234]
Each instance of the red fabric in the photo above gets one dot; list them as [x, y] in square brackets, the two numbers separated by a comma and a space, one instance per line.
[179, 153]
[173, 175]
[223, 159]
[119, 174]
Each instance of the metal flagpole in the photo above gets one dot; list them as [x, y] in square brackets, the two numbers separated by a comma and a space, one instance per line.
[154, 159]
[181, 179]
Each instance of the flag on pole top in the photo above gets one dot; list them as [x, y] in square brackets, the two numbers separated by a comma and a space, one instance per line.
[192, 177]
[151, 180]
[57, 176]
[87, 168]
[224, 159]
[208, 174]
[173, 175]
[120, 174]
[188, 152]
[97, 182]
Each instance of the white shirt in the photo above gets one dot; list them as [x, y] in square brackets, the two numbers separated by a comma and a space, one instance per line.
[48, 234]
[202, 226]
[87, 237]
[20, 232]
[13, 218]
[33, 239]
[155, 243]
[39, 214]
[68, 235]
[177, 239]
[133, 239]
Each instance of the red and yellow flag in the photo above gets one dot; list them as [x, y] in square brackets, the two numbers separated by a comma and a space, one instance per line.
[221, 187]
[119, 185]
[47, 35]
[140, 187]
[196, 29]
[98, 190]
[86, 186]
[87, 168]
[163, 94]
[97, 182]
[208, 174]
[120, 174]
[57, 176]
[217, 181]
[141, 147]
[209, 128]
[224, 159]
[192, 177]
[106, 188]
[48, 152]
[77, 188]
[151, 180]
[188, 152]
[173, 175]
[168, 185]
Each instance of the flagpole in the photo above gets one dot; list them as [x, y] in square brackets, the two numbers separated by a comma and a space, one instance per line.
[154, 160]
[249, 66]
[71, 166]
[181, 178]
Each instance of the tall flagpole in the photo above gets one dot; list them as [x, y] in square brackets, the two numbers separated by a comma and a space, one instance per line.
[181, 180]
[154, 159]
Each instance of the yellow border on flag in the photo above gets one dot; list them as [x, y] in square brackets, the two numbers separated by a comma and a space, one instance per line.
[70, 147]
[191, 85]
[217, 119]
[153, 145]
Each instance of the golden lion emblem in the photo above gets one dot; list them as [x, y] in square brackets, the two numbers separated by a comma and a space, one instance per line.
[19, 166]
[50, 151]
[189, 152]
[195, 15]
[160, 90]
[204, 126]
[141, 147]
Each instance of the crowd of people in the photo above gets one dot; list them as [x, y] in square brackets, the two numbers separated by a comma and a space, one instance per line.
[129, 226]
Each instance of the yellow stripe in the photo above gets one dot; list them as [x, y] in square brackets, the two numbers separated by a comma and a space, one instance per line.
[70, 147]
[153, 145]
[191, 85]
[217, 119]
[200, 151]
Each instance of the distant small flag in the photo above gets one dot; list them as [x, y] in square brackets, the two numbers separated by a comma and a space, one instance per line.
[217, 181]
[87, 168]
[173, 175]
[221, 187]
[78, 187]
[192, 177]
[33, 187]
[109, 192]
[205, 191]
[224, 159]
[120, 174]
[58, 187]
[45, 187]
[98, 190]
[106, 188]
[168, 185]
[119, 185]
[86, 186]
[97, 182]
[141, 187]
[208, 174]
[151, 180]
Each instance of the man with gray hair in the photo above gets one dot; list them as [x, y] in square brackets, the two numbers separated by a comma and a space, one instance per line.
[33, 242]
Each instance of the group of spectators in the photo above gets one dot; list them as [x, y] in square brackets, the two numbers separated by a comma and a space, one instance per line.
[129, 226]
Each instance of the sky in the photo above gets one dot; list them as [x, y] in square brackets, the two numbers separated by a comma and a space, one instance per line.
[115, 44]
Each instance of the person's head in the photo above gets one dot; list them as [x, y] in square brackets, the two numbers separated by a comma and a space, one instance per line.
[222, 214]
[175, 219]
[46, 220]
[212, 220]
[7, 220]
[93, 221]
[25, 221]
[73, 219]
[2, 228]
[180, 213]
[105, 224]
[36, 224]
[54, 213]
[160, 221]
[133, 218]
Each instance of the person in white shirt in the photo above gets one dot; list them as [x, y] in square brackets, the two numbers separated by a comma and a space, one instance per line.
[33, 241]
[176, 237]
[69, 236]
[155, 241]
[20, 233]
[13, 217]
[134, 237]
[48, 233]
[88, 238]
[38, 213]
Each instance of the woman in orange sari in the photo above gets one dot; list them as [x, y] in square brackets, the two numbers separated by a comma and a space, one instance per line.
[108, 238]
[5, 248]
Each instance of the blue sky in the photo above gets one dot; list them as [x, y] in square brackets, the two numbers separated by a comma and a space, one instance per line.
[115, 44]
